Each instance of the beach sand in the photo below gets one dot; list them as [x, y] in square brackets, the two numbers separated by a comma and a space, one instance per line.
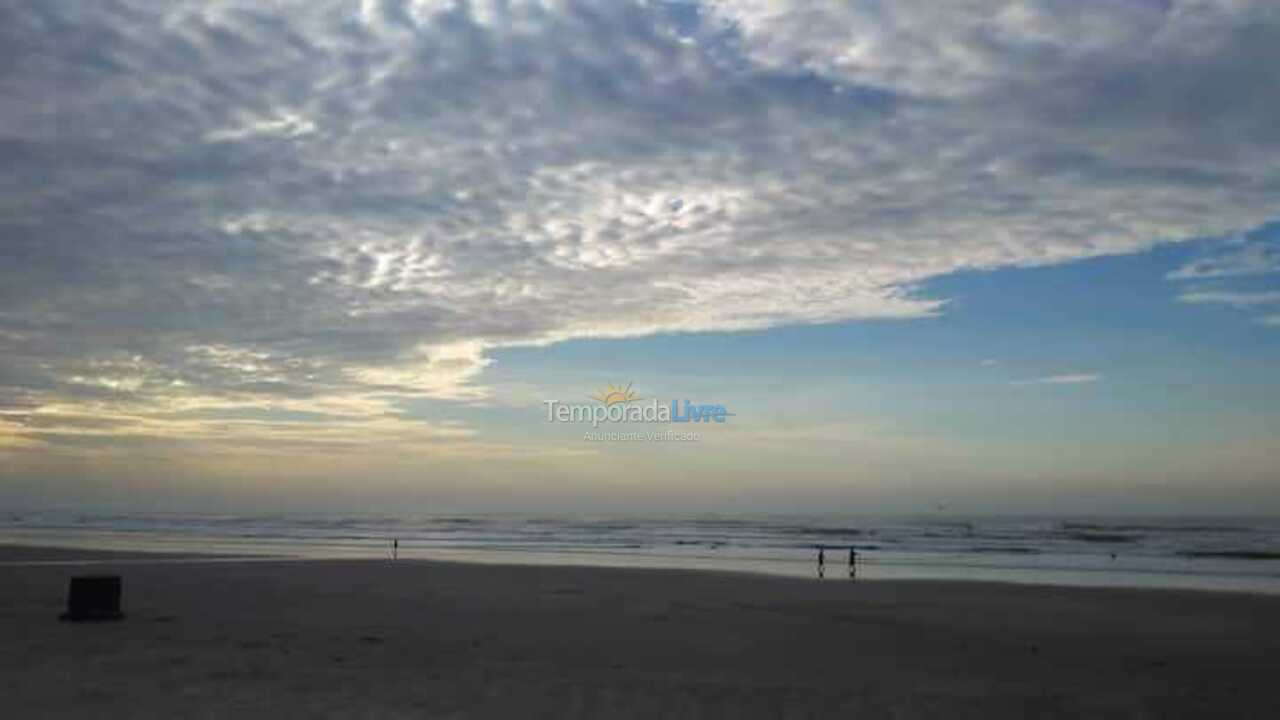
[379, 639]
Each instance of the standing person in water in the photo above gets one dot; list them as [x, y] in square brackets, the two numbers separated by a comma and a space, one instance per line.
[395, 549]
[853, 563]
[822, 558]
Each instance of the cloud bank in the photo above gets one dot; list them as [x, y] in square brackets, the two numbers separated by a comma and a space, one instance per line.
[226, 207]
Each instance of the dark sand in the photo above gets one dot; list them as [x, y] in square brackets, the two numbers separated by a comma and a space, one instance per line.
[424, 639]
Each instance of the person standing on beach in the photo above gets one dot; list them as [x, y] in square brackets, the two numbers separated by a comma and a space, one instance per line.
[395, 549]
[821, 559]
[853, 563]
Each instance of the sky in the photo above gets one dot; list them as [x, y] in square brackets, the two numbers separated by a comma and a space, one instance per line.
[984, 255]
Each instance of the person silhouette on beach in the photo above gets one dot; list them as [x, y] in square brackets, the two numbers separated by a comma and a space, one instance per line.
[395, 549]
[853, 563]
[822, 558]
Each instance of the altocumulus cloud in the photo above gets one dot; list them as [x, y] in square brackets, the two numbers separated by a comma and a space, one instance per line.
[328, 206]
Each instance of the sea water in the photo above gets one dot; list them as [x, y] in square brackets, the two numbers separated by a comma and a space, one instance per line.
[1203, 553]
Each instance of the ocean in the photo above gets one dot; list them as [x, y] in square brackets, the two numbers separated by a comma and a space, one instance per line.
[1200, 553]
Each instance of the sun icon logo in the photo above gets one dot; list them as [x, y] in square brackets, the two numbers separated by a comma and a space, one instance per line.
[612, 395]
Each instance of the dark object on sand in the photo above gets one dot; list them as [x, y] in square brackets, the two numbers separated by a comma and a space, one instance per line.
[93, 597]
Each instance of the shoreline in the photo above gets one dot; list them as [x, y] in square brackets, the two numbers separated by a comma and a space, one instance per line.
[1250, 576]
[34, 556]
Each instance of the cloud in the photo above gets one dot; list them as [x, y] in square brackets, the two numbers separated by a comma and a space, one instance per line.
[1065, 379]
[327, 204]
[1255, 259]
[1235, 299]
[1255, 253]
[1236, 262]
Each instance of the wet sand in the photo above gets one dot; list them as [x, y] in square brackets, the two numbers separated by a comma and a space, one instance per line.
[366, 638]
